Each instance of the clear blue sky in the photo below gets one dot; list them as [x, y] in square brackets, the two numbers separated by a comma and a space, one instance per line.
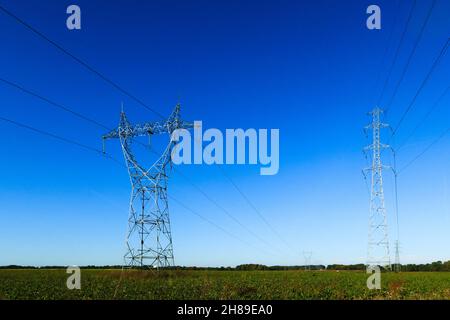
[309, 68]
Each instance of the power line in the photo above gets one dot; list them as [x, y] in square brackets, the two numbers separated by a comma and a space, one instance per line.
[425, 150]
[396, 196]
[250, 203]
[424, 82]
[212, 223]
[411, 55]
[402, 38]
[84, 64]
[386, 49]
[222, 208]
[60, 106]
[54, 136]
[55, 104]
[420, 123]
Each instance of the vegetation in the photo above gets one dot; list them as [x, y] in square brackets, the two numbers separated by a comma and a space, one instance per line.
[434, 266]
[212, 284]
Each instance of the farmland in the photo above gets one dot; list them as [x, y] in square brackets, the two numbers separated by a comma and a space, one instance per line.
[190, 284]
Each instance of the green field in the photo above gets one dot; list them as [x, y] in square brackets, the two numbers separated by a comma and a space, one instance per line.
[133, 284]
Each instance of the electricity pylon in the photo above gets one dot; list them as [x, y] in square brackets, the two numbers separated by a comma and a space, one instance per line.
[378, 242]
[307, 255]
[397, 265]
[149, 239]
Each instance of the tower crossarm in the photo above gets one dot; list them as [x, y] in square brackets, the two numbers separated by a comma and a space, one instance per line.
[126, 130]
[384, 167]
[374, 145]
[375, 125]
[146, 129]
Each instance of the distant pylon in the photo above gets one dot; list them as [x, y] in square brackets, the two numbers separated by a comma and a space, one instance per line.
[378, 240]
[149, 238]
[397, 266]
[307, 255]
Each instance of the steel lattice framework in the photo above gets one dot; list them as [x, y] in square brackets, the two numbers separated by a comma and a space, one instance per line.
[397, 266]
[378, 242]
[307, 255]
[149, 239]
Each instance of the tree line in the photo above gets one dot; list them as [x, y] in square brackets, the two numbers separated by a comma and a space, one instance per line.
[434, 266]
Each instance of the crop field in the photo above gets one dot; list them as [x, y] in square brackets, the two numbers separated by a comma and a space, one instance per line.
[133, 284]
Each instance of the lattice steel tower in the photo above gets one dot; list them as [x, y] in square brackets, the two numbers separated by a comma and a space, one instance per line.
[378, 244]
[397, 265]
[149, 239]
[307, 255]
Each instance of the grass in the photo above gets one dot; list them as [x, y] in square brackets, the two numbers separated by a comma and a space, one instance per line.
[267, 285]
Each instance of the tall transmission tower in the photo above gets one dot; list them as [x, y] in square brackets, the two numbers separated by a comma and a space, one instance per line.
[378, 242]
[149, 238]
